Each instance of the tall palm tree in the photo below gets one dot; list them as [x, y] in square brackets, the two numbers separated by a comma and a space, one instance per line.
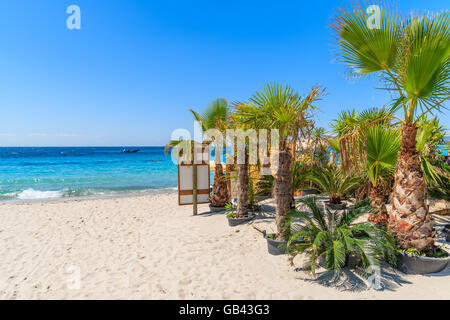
[350, 128]
[382, 145]
[280, 107]
[318, 143]
[411, 57]
[243, 191]
[215, 116]
[242, 170]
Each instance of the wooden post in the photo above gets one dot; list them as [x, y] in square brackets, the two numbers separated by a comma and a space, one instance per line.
[194, 182]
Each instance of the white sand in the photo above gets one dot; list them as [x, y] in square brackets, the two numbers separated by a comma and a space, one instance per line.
[151, 248]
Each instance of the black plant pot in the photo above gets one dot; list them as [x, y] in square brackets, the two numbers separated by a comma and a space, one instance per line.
[421, 265]
[213, 208]
[335, 206]
[237, 221]
[277, 247]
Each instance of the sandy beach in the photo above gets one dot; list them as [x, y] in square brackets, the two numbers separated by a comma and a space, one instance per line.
[150, 248]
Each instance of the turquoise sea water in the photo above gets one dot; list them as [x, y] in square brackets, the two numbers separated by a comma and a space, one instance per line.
[443, 150]
[83, 172]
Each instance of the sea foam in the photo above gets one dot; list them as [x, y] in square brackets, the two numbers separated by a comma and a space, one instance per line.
[31, 194]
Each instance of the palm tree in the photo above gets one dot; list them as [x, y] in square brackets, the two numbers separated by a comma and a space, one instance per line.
[368, 152]
[350, 128]
[280, 107]
[243, 181]
[318, 143]
[411, 57]
[242, 188]
[382, 147]
[216, 116]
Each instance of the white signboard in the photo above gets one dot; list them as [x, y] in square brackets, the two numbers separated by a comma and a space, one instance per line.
[185, 182]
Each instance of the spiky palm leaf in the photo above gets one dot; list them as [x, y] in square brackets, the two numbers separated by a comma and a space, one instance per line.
[279, 107]
[383, 145]
[339, 238]
[215, 115]
[351, 127]
[332, 182]
[411, 56]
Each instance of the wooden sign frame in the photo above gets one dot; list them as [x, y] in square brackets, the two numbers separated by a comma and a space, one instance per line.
[204, 163]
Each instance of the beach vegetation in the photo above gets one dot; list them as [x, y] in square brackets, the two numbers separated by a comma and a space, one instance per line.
[281, 107]
[332, 182]
[382, 147]
[437, 253]
[331, 238]
[437, 174]
[410, 56]
[216, 116]
[230, 209]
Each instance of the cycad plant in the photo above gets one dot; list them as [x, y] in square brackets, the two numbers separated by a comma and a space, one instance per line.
[216, 116]
[280, 107]
[335, 237]
[332, 182]
[382, 147]
[411, 58]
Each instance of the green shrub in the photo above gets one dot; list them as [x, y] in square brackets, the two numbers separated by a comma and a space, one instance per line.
[335, 237]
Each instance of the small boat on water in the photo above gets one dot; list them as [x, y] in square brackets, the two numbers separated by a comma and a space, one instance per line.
[130, 151]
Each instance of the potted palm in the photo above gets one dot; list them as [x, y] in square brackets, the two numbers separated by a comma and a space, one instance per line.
[215, 116]
[280, 107]
[332, 182]
[276, 246]
[232, 216]
[411, 58]
[382, 146]
[334, 240]
[413, 261]
[243, 208]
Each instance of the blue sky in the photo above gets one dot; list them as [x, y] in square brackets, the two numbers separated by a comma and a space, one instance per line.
[131, 73]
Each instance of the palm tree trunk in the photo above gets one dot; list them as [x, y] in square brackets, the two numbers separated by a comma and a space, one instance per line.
[242, 189]
[378, 201]
[409, 217]
[229, 168]
[283, 189]
[219, 196]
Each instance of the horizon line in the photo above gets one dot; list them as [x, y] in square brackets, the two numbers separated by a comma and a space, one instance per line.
[119, 146]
